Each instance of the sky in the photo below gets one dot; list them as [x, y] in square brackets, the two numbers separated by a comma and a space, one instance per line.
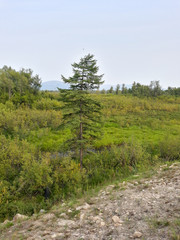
[132, 40]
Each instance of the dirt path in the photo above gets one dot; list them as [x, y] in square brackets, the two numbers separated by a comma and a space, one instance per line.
[147, 209]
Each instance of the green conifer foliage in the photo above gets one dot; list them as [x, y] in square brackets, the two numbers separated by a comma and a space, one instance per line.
[81, 111]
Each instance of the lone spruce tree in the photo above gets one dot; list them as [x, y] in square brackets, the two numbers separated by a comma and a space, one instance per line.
[81, 111]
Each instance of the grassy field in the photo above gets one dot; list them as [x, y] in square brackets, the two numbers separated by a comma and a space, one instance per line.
[148, 121]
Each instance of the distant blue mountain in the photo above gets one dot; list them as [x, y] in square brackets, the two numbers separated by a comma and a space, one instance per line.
[54, 85]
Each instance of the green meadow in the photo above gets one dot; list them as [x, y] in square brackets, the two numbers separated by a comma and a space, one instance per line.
[146, 120]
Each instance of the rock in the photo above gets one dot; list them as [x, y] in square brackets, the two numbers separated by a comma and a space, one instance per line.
[63, 215]
[42, 211]
[37, 224]
[118, 210]
[137, 234]
[110, 187]
[102, 224]
[98, 220]
[122, 215]
[79, 208]
[55, 235]
[64, 222]
[47, 232]
[82, 217]
[5, 222]
[48, 216]
[19, 217]
[84, 207]
[116, 219]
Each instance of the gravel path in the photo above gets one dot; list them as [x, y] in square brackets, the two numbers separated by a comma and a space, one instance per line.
[147, 209]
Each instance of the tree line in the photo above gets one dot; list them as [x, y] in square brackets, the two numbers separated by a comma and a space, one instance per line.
[152, 90]
[19, 86]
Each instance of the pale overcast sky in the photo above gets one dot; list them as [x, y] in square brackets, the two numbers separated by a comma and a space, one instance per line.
[132, 40]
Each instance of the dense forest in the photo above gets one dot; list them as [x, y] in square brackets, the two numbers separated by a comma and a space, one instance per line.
[39, 164]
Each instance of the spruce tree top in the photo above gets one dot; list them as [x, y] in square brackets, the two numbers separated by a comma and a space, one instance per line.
[85, 76]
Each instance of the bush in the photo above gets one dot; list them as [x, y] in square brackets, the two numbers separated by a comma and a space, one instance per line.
[47, 104]
[19, 122]
[67, 177]
[170, 148]
[35, 175]
[115, 161]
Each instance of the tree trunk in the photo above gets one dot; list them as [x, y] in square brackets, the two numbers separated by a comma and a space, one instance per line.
[9, 91]
[81, 137]
[81, 146]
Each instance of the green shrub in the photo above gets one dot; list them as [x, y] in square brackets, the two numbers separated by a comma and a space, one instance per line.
[47, 104]
[67, 177]
[170, 148]
[115, 161]
[35, 175]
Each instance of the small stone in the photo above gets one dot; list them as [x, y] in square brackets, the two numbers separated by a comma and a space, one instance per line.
[102, 224]
[19, 217]
[65, 222]
[82, 217]
[110, 187]
[137, 234]
[48, 216]
[55, 235]
[116, 219]
[45, 233]
[97, 219]
[63, 215]
[117, 210]
[84, 207]
[42, 211]
[79, 208]
[37, 224]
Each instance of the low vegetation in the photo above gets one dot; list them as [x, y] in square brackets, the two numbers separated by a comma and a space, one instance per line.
[37, 165]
